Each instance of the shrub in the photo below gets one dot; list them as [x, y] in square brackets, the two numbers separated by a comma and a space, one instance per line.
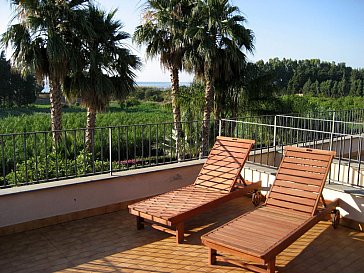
[132, 102]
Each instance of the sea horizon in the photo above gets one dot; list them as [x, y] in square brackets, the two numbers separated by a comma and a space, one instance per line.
[160, 84]
[163, 85]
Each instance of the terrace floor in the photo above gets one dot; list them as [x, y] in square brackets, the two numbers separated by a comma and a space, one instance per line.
[111, 243]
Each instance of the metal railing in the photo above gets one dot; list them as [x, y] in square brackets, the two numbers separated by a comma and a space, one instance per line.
[304, 132]
[34, 157]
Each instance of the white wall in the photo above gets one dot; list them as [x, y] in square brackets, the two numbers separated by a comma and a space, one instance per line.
[28, 203]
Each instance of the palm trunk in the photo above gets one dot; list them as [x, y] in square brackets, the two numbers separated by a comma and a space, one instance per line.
[90, 127]
[234, 111]
[55, 97]
[176, 111]
[207, 112]
[217, 112]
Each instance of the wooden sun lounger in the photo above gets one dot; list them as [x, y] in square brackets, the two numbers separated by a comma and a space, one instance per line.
[291, 209]
[218, 181]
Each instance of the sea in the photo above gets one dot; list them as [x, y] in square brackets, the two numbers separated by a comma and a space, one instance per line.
[163, 85]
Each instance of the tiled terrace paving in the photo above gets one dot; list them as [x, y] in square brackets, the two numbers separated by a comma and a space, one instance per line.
[111, 243]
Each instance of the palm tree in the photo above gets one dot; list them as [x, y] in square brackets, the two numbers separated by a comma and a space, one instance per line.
[162, 30]
[219, 39]
[105, 68]
[40, 43]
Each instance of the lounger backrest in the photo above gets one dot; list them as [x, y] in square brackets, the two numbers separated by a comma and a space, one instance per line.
[224, 164]
[300, 179]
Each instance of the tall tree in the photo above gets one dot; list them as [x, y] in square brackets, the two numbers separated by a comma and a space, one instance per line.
[104, 69]
[40, 38]
[5, 79]
[216, 32]
[162, 31]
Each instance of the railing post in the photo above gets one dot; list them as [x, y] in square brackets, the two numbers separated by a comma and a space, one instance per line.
[220, 126]
[110, 151]
[275, 131]
[332, 130]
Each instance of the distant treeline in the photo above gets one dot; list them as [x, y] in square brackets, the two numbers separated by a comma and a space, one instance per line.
[14, 89]
[313, 77]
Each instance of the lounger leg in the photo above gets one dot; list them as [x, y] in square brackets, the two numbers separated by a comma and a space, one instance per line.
[212, 256]
[139, 222]
[271, 267]
[180, 233]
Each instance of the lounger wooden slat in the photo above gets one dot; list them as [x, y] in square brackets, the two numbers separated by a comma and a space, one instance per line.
[291, 209]
[309, 156]
[231, 149]
[217, 182]
[307, 162]
[302, 167]
[230, 153]
[292, 199]
[297, 186]
[226, 142]
[289, 205]
[295, 192]
[302, 174]
[299, 180]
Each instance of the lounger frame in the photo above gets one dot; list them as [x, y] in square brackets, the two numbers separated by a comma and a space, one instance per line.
[277, 210]
[219, 181]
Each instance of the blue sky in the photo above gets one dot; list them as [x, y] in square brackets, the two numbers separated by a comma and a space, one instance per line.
[330, 30]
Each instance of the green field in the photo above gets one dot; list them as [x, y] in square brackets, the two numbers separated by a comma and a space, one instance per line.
[37, 117]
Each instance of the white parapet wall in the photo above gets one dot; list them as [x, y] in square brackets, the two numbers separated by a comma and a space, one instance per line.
[41, 201]
[352, 174]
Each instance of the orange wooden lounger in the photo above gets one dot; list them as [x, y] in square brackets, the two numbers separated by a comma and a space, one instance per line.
[218, 181]
[290, 210]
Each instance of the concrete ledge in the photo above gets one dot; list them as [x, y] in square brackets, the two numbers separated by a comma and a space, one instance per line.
[99, 177]
[90, 195]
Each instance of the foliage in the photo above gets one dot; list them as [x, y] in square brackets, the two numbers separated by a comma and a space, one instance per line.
[163, 32]
[192, 101]
[129, 103]
[41, 34]
[36, 117]
[105, 67]
[150, 94]
[14, 89]
[314, 77]
[216, 51]
[53, 166]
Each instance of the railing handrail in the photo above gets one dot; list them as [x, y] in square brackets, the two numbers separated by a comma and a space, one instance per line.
[96, 128]
[287, 127]
[318, 119]
[36, 157]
